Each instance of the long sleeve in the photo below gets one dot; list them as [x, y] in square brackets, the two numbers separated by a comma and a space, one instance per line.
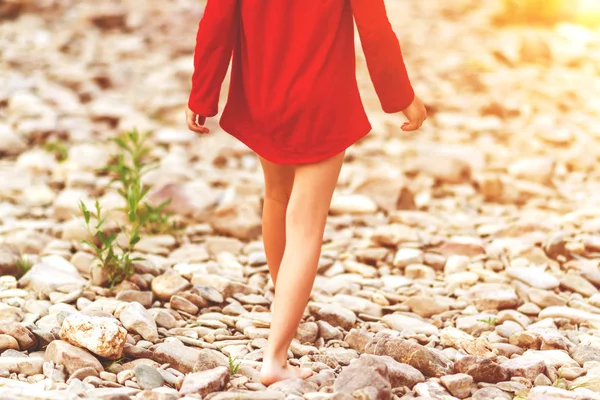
[216, 38]
[383, 55]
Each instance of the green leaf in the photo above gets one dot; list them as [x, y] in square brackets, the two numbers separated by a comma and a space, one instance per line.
[85, 211]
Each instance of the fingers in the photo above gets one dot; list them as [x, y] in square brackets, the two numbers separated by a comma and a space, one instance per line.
[195, 123]
[412, 125]
[409, 126]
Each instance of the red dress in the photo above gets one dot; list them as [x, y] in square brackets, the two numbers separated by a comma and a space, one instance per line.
[293, 96]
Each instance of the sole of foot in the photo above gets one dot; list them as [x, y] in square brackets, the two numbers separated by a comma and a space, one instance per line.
[270, 374]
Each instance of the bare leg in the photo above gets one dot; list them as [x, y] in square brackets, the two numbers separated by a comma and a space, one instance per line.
[305, 223]
[279, 180]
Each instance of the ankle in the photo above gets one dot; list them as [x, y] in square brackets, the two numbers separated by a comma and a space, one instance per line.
[275, 360]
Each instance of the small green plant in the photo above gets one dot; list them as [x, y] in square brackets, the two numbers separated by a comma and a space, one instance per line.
[522, 395]
[560, 381]
[233, 366]
[59, 149]
[589, 383]
[111, 363]
[23, 265]
[116, 259]
[156, 220]
[492, 321]
[127, 170]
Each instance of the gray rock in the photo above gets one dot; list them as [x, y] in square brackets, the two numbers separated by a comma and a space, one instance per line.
[163, 318]
[9, 257]
[24, 337]
[209, 293]
[401, 322]
[358, 339]
[481, 369]
[583, 354]
[337, 315]
[431, 389]
[210, 359]
[148, 377]
[491, 392]
[83, 373]
[144, 298]
[182, 358]
[307, 332]
[205, 382]
[526, 368]
[493, 296]
[401, 375]
[246, 395]
[168, 284]
[22, 364]
[358, 305]
[294, 387]
[365, 372]
[11, 143]
[51, 273]
[135, 317]
[109, 393]
[534, 277]
[411, 353]
[8, 342]
[458, 385]
[73, 358]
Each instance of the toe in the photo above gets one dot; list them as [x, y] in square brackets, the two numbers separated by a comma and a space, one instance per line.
[302, 373]
[306, 373]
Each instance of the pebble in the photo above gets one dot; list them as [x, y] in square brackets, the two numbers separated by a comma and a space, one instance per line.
[100, 335]
[337, 316]
[22, 335]
[134, 316]
[492, 296]
[534, 277]
[365, 372]
[459, 385]
[481, 369]
[205, 382]
[72, 357]
[401, 322]
[147, 377]
[465, 256]
[168, 284]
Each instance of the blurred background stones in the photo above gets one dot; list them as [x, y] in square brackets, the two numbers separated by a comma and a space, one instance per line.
[459, 262]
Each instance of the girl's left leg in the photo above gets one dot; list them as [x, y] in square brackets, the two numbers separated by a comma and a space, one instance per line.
[307, 211]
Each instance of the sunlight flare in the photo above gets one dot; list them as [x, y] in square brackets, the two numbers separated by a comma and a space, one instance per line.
[588, 11]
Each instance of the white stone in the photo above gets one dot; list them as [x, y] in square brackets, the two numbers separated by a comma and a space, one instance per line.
[533, 276]
[401, 322]
[353, 204]
[100, 335]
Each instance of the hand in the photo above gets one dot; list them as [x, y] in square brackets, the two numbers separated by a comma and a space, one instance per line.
[416, 114]
[195, 122]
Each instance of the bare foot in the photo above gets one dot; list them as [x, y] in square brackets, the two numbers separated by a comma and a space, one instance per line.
[271, 373]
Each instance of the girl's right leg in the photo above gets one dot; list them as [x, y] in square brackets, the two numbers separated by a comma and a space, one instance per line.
[279, 180]
[305, 223]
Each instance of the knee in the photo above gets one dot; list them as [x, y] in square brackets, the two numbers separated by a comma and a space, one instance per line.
[306, 217]
[278, 194]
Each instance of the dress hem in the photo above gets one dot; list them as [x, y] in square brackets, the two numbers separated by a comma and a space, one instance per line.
[283, 158]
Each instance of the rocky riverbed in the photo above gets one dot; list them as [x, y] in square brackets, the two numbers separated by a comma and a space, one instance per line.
[459, 262]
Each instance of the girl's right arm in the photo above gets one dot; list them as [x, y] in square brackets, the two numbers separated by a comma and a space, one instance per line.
[216, 38]
[385, 61]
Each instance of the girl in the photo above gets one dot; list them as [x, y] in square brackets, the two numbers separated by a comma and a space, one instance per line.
[294, 100]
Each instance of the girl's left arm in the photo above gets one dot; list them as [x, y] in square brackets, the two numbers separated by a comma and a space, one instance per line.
[217, 35]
